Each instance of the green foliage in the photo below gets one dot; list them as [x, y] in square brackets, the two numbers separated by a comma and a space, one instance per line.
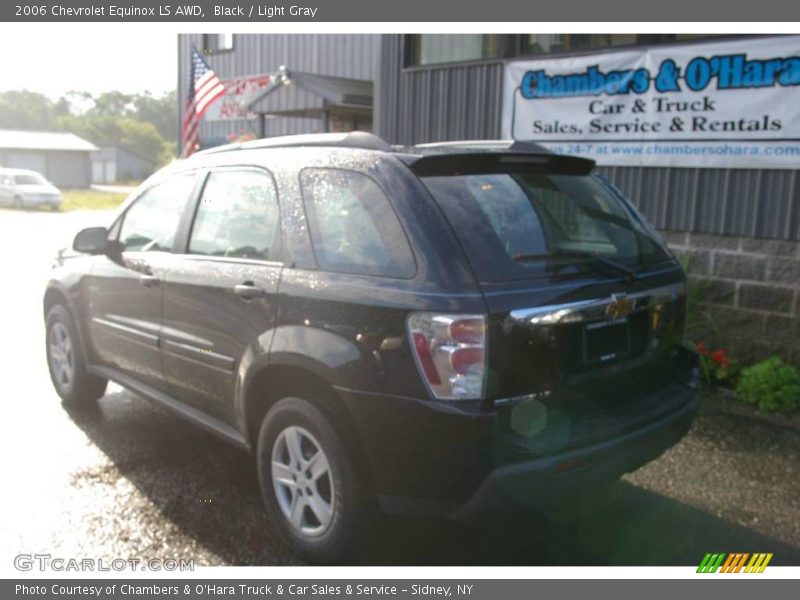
[161, 111]
[699, 323]
[21, 109]
[141, 123]
[771, 385]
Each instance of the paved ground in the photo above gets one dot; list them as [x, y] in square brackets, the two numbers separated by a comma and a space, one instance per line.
[133, 481]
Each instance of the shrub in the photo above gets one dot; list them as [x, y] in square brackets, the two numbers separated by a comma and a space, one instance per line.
[771, 385]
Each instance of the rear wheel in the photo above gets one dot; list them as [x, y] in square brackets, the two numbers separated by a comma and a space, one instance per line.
[18, 203]
[310, 483]
[67, 365]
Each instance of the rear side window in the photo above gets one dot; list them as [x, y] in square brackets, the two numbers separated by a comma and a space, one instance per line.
[353, 226]
[237, 216]
[152, 220]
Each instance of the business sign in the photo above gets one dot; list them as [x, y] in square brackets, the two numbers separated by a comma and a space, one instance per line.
[725, 104]
[239, 92]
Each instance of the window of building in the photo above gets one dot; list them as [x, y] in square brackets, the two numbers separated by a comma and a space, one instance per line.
[354, 228]
[237, 216]
[217, 42]
[435, 48]
[551, 43]
[152, 220]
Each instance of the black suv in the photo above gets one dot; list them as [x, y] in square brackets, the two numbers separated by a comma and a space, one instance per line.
[431, 330]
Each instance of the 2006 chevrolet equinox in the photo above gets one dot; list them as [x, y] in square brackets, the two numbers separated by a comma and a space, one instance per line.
[436, 329]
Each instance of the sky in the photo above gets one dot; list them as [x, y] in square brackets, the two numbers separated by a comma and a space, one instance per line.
[128, 59]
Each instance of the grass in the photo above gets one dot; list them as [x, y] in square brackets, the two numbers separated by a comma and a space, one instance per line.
[90, 200]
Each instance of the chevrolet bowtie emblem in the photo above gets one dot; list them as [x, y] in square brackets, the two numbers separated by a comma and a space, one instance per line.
[619, 306]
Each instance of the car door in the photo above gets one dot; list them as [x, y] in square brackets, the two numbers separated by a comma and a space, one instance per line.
[125, 287]
[220, 296]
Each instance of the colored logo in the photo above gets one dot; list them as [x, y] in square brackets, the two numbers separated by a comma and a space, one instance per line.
[619, 306]
[735, 562]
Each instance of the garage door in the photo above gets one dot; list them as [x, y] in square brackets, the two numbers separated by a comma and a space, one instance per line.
[27, 160]
[97, 172]
[110, 171]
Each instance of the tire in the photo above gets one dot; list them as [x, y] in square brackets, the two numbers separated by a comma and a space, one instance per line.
[18, 203]
[350, 501]
[66, 362]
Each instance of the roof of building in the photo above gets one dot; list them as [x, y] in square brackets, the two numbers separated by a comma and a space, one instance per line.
[309, 94]
[109, 152]
[44, 140]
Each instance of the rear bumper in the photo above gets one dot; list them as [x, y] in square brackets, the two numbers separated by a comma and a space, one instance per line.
[428, 459]
[539, 481]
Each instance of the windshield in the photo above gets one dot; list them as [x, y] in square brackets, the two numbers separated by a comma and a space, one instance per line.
[520, 225]
[31, 179]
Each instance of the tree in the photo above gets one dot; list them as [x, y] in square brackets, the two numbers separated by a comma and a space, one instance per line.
[21, 109]
[161, 111]
[142, 123]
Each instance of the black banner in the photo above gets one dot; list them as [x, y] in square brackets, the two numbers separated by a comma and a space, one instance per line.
[732, 587]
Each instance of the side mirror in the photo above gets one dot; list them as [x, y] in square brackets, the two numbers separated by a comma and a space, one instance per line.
[91, 240]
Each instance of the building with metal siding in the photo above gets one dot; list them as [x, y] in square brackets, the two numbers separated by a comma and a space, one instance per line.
[111, 164]
[415, 105]
[345, 56]
[63, 158]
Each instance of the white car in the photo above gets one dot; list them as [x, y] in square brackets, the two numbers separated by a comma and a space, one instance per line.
[22, 188]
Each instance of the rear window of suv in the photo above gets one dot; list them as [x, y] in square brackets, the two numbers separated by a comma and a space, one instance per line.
[354, 228]
[520, 225]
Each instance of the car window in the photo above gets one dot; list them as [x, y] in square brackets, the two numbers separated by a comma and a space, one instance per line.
[237, 216]
[152, 220]
[31, 179]
[353, 226]
[516, 225]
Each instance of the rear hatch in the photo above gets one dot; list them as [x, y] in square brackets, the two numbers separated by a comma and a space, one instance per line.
[586, 305]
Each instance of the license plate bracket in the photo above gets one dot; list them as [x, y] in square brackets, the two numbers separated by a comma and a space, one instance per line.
[606, 341]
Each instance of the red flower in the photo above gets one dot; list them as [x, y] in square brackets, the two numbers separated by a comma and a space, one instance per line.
[701, 348]
[721, 358]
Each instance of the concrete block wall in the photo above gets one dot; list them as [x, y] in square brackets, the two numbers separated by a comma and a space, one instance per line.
[752, 291]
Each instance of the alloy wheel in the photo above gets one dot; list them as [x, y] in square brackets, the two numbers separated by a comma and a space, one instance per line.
[302, 481]
[62, 358]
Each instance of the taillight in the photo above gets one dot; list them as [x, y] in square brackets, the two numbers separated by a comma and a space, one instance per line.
[450, 351]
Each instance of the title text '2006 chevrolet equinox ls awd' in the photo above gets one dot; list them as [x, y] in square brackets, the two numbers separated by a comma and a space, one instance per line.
[433, 330]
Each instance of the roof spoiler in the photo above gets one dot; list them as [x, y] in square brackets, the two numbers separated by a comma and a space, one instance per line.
[485, 163]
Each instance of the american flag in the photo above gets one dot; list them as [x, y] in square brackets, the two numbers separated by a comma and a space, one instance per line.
[204, 88]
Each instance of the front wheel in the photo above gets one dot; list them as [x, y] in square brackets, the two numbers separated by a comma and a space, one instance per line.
[66, 363]
[310, 484]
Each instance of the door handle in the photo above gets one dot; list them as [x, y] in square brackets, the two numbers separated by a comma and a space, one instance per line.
[148, 280]
[248, 291]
